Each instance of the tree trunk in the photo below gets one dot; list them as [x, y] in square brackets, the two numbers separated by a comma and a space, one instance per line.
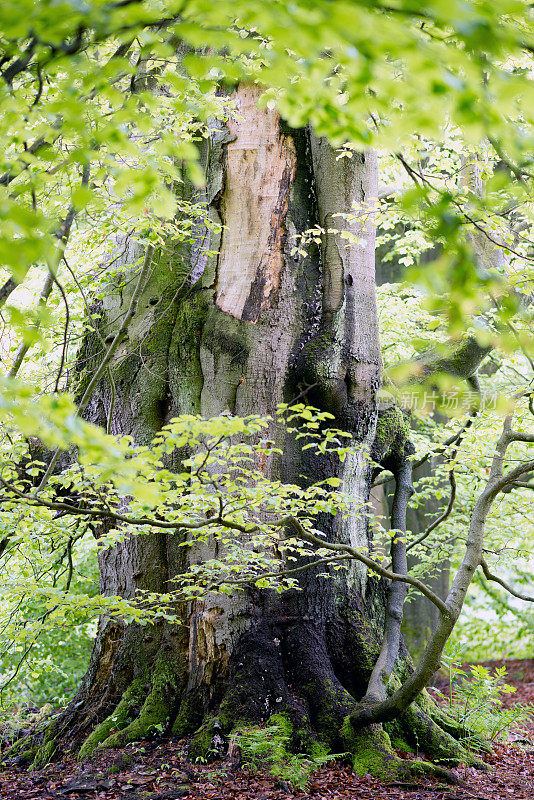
[241, 331]
[420, 615]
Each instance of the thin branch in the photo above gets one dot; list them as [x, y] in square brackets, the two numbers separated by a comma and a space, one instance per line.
[369, 562]
[455, 438]
[24, 346]
[391, 707]
[65, 334]
[442, 517]
[62, 235]
[490, 576]
[98, 513]
[9, 286]
[282, 573]
[119, 336]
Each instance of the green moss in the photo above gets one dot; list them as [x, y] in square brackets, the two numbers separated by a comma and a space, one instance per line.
[18, 746]
[396, 734]
[419, 767]
[392, 433]
[372, 753]
[368, 629]
[272, 747]
[132, 697]
[185, 370]
[46, 751]
[326, 723]
[434, 739]
[156, 711]
[201, 747]
[44, 754]
[27, 756]
[319, 345]
[283, 722]
[189, 717]
[191, 316]
[330, 702]
[233, 710]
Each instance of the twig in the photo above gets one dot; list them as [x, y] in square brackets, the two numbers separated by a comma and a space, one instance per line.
[132, 310]
[490, 576]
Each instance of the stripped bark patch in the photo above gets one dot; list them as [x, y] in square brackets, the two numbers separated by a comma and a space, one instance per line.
[207, 653]
[260, 166]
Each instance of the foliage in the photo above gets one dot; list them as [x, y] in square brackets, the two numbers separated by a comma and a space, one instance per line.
[475, 700]
[221, 493]
[493, 624]
[269, 747]
[89, 95]
[107, 109]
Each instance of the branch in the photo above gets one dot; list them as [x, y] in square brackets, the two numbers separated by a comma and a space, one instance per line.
[132, 310]
[520, 485]
[281, 573]
[389, 651]
[43, 141]
[382, 571]
[23, 346]
[441, 518]
[32, 149]
[490, 576]
[519, 436]
[400, 700]
[62, 235]
[20, 64]
[65, 334]
[9, 286]
[463, 361]
[101, 513]
[510, 477]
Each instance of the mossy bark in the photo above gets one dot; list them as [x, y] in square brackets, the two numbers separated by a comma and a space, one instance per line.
[259, 324]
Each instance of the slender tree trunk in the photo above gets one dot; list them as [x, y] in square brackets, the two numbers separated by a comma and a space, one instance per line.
[241, 331]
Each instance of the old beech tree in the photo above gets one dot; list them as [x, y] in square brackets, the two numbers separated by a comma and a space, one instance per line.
[237, 322]
[100, 103]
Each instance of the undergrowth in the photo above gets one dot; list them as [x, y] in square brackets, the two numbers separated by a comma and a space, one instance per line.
[475, 700]
[269, 748]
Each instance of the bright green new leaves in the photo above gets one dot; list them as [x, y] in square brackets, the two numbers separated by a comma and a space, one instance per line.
[124, 88]
[224, 500]
[224, 493]
[476, 701]
[104, 108]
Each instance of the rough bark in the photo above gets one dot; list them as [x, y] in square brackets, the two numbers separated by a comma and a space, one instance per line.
[239, 332]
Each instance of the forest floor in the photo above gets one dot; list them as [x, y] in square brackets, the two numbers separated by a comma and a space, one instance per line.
[157, 770]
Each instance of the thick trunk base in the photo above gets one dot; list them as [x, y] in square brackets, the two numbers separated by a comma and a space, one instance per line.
[276, 669]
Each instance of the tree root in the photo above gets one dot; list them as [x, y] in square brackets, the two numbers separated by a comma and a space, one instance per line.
[461, 733]
[372, 754]
[266, 683]
[190, 713]
[428, 735]
[156, 712]
[21, 752]
[116, 721]
[47, 749]
[257, 690]
[36, 748]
